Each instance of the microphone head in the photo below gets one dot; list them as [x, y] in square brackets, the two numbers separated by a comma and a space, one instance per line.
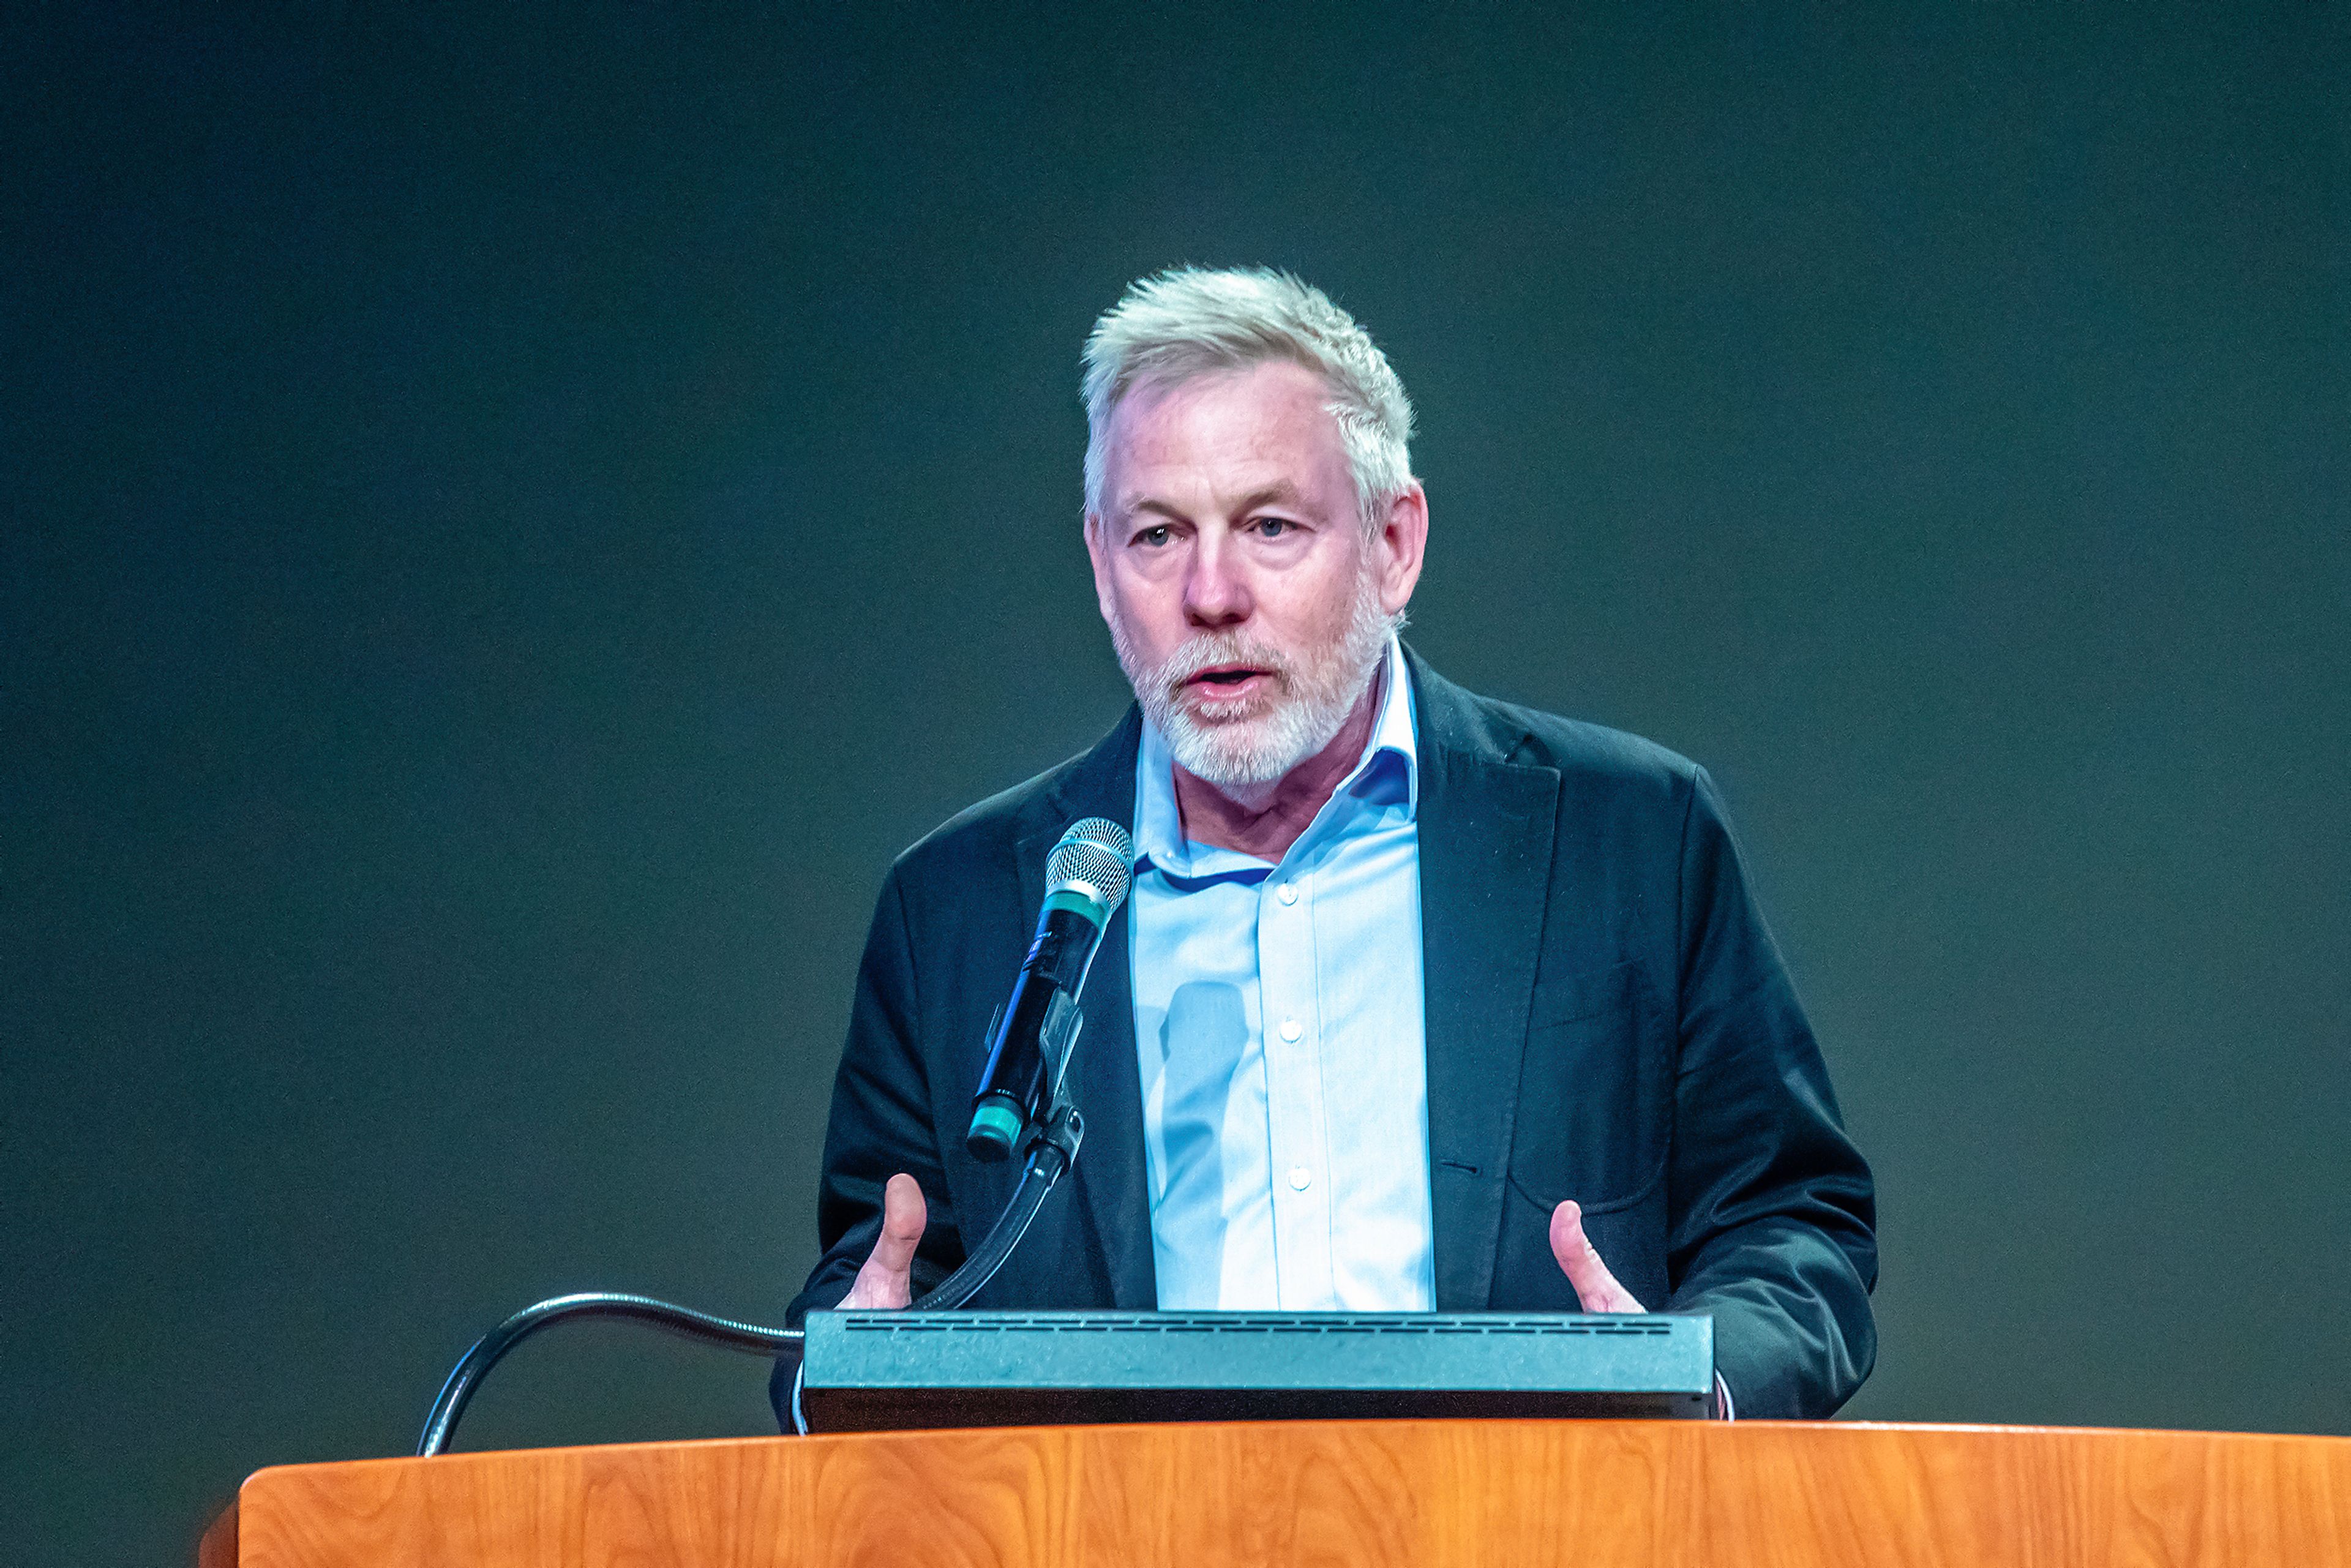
[1095, 861]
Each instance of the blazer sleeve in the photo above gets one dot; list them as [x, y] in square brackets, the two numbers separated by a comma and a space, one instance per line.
[880, 1121]
[1770, 1206]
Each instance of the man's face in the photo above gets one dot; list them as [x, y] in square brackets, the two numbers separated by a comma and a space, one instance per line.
[1247, 601]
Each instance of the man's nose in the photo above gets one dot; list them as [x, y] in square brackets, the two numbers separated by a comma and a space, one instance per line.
[1216, 592]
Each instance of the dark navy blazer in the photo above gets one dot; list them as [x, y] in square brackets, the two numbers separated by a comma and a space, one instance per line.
[1607, 1019]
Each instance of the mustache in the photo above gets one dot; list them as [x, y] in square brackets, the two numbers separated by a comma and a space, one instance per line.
[1214, 648]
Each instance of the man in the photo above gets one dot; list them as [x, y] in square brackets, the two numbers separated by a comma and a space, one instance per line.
[1420, 1001]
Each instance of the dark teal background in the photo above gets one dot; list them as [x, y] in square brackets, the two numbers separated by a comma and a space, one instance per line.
[512, 518]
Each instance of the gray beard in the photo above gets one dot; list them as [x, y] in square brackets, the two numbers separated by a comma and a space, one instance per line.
[1252, 744]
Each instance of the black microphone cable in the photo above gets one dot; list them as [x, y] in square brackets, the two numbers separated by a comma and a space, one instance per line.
[1021, 1103]
[684, 1322]
[1053, 1151]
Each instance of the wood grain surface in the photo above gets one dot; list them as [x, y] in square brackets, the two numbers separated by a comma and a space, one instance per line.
[1433, 1494]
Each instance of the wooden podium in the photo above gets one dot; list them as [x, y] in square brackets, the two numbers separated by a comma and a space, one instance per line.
[1431, 1494]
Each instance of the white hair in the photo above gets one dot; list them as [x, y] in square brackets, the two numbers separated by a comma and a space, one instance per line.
[1192, 321]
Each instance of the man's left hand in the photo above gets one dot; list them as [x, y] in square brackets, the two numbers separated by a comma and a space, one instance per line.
[1595, 1287]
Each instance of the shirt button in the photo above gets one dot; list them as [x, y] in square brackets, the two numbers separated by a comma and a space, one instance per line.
[1286, 892]
[1301, 1178]
[1290, 1031]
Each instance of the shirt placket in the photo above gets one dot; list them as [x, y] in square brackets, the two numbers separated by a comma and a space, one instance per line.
[1290, 1016]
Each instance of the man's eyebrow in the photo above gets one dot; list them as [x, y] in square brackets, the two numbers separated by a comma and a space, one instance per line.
[1280, 493]
[1158, 508]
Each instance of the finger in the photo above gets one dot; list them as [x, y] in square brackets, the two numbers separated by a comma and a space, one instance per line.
[1595, 1287]
[886, 1280]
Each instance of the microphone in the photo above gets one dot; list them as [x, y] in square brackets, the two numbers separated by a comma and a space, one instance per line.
[1086, 879]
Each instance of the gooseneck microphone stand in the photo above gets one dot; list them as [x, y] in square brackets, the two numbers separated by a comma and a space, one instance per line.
[1052, 1150]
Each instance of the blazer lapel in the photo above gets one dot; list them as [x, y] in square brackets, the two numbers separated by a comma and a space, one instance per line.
[1487, 827]
[1104, 1080]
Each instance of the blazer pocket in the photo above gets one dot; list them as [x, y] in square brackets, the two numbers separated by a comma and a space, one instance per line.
[1595, 1095]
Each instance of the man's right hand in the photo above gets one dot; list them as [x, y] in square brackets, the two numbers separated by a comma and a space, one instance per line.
[887, 1279]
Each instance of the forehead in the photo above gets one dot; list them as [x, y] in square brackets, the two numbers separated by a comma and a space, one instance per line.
[1268, 420]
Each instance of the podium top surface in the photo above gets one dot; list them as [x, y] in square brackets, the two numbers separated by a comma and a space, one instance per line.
[1433, 1494]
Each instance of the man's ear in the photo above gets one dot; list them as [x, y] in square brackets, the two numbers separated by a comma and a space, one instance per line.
[1398, 548]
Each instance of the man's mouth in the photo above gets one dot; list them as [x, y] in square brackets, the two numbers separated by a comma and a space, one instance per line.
[1220, 683]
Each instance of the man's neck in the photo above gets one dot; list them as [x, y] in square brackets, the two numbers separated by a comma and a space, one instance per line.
[1265, 821]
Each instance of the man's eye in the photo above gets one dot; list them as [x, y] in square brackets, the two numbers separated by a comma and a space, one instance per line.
[1154, 538]
[1274, 527]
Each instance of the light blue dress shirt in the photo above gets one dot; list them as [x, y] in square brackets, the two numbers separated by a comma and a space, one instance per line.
[1278, 1024]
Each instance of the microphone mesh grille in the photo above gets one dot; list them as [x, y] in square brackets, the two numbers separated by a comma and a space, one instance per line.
[1096, 855]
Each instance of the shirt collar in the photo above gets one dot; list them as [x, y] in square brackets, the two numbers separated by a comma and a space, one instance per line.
[1387, 774]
